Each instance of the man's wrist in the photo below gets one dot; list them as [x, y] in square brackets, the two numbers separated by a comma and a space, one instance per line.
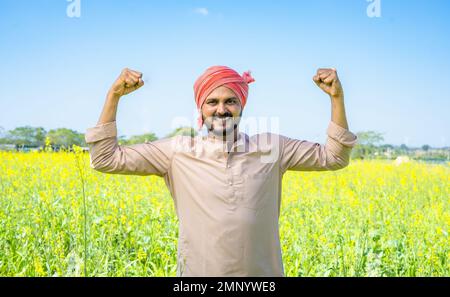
[111, 96]
[339, 97]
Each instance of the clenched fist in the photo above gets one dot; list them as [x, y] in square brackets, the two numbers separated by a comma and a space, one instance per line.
[327, 79]
[127, 82]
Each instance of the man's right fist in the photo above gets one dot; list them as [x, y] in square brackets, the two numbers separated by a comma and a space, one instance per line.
[127, 82]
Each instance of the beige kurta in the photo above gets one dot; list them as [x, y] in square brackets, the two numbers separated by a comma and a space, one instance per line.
[228, 205]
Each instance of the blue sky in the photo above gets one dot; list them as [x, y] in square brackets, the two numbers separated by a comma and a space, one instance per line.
[56, 70]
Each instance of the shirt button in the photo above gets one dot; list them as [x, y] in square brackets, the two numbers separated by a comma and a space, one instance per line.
[228, 166]
[230, 183]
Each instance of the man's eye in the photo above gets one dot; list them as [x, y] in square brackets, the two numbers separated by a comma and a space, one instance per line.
[231, 101]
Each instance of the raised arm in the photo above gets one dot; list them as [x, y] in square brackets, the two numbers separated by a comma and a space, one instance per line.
[107, 156]
[328, 81]
[127, 82]
[335, 154]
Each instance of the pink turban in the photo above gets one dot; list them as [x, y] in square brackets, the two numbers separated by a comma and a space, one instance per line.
[217, 76]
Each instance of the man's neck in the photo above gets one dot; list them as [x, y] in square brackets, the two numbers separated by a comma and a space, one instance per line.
[227, 140]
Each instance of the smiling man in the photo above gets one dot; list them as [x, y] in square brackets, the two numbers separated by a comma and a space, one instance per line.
[226, 186]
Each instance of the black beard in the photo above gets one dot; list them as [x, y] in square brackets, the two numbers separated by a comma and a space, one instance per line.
[217, 128]
[224, 132]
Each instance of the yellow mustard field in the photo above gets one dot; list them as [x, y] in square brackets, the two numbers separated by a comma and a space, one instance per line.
[59, 217]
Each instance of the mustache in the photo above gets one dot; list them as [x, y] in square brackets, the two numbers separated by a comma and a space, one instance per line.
[225, 115]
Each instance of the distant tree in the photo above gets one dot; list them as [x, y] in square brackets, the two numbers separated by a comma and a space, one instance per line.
[386, 150]
[3, 136]
[147, 137]
[121, 139]
[369, 138]
[186, 131]
[366, 145]
[63, 137]
[27, 136]
[425, 147]
[402, 149]
[385, 147]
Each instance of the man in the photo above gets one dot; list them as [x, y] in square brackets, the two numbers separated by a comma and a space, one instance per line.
[226, 186]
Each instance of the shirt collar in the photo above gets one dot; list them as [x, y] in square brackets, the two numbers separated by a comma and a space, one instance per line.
[243, 143]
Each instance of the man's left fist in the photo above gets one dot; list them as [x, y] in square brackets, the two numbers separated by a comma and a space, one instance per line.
[327, 79]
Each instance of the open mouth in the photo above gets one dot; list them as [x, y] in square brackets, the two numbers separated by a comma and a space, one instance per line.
[223, 123]
[224, 120]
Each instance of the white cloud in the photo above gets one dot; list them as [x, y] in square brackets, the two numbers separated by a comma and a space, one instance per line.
[201, 10]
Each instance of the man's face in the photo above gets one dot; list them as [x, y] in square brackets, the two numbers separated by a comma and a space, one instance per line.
[222, 111]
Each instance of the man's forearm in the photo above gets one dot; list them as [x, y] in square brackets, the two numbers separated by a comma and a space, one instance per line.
[338, 111]
[109, 109]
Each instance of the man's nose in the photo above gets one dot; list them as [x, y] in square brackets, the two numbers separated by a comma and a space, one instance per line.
[221, 110]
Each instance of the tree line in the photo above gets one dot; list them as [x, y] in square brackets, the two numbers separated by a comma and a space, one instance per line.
[26, 137]
[371, 146]
[370, 143]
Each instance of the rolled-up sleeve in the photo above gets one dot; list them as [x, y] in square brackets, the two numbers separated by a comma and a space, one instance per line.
[107, 156]
[302, 155]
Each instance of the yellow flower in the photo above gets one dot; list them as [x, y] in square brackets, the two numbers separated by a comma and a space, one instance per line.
[141, 255]
[38, 267]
